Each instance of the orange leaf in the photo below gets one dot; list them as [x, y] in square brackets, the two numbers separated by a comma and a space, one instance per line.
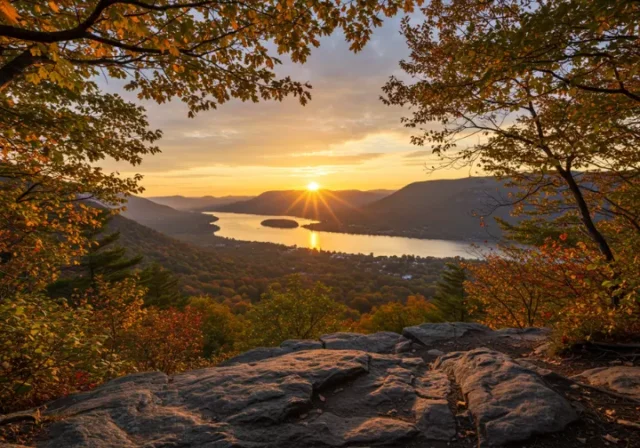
[8, 11]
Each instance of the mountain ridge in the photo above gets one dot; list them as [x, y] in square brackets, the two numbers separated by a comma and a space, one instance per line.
[197, 203]
[318, 205]
[167, 220]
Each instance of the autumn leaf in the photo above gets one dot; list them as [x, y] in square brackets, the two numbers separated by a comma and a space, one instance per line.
[8, 11]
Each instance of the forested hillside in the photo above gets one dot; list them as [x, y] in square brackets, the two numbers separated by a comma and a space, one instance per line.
[202, 203]
[459, 209]
[168, 220]
[238, 273]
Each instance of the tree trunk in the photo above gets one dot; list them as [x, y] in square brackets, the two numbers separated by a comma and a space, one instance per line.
[599, 239]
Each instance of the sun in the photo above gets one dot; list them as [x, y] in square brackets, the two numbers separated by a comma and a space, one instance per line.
[313, 186]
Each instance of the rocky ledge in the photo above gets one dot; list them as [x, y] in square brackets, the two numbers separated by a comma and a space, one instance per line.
[345, 390]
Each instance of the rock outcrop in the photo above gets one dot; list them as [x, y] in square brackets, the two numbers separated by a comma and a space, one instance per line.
[624, 380]
[429, 334]
[510, 403]
[310, 398]
[381, 342]
[344, 390]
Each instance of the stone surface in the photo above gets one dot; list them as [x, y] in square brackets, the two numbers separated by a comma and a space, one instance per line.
[621, 379]
[403, 345]
[313, 398]
[381, 342]
[257, 354]
[429, 334]
[509, 403]
[434, 419]
[260, 353]
[345, 390]
[528, 334]
[527, 364]
[371, 431]
[296, 345]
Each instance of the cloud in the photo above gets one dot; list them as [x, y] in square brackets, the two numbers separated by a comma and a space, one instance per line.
[345, 134]
[415, 154]
[322, 158]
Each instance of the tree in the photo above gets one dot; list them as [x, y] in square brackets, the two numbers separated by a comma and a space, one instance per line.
[204, 52]
[589, 45]
[450, 300]
[50, 141]
[568, 288]
[570, 150]
[222, 329]
[295, 313]
[395, 316]
[117, 307]
[162, 286]
[102, 259]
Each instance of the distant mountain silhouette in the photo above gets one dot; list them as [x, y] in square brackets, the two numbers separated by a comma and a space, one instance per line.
[166, 219]
[203, 203]
[319, 205]
[447, 209]
[459, 209]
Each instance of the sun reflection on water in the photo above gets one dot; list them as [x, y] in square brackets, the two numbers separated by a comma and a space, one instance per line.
[314, 241]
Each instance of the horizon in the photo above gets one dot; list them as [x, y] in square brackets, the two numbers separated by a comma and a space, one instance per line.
[344, 139]
[305, 188]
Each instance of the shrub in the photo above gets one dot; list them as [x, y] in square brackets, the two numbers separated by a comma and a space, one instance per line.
[295, 313]
[168, 340]
[47, 349]
[220, 327]
[394, 316]
[571, 289]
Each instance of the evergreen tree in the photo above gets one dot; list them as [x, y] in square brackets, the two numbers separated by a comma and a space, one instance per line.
[104, 258]
[163, 287]
[450, 299]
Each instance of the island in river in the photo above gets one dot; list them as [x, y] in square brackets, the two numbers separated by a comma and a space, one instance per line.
[280, 223]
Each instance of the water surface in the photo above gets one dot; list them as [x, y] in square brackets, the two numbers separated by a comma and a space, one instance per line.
[248, 228]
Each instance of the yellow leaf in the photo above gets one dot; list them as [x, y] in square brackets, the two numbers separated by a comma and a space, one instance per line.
[54, 6]
[8, 11]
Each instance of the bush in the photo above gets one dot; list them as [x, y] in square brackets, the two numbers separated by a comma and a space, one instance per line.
[168, 340]
[571, 289]
[295, 313]
[394, 316]
[220, 327]
[47, 349]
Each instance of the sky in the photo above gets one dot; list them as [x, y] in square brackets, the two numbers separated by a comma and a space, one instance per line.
[345, 138]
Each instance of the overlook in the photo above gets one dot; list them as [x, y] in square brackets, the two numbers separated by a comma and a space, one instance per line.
[301, 223]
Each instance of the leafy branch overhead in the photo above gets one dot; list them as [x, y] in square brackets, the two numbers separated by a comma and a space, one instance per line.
[203, 52]
[56, 125]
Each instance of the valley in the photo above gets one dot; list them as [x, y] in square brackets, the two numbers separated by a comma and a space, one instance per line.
[237, 273]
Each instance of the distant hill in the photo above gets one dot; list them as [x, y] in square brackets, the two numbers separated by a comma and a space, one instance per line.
[203, 203]
[445, 209]
[320, 205]
[166, 219]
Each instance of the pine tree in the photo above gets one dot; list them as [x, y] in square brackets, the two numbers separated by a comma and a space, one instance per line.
[450, 299]
[163, 287]
[104, 258]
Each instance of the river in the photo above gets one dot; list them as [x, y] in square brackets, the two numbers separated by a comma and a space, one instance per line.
[248, 228]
